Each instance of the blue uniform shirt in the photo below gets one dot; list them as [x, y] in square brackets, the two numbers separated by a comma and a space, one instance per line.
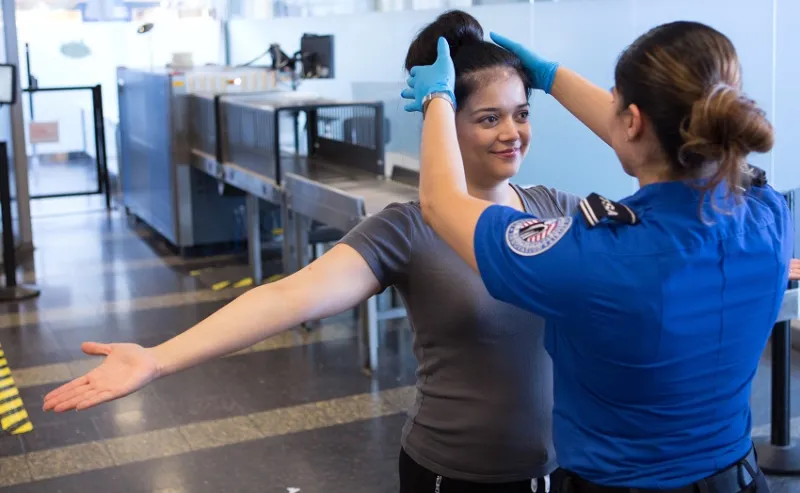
[655, 329]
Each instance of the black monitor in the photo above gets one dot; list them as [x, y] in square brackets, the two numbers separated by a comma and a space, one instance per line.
[316, 53]
[8, 83]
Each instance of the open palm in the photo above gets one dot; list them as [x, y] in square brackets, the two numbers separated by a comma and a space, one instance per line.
[126, 369]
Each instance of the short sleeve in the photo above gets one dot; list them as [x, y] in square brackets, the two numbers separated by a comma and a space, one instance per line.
[384, 241]
[568, 202]
[531, 263]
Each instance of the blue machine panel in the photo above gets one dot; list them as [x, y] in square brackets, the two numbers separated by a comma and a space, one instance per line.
[158, 184]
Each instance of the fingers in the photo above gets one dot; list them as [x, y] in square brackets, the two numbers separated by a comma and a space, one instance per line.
[503, 41]
[794, 270]
[407, 94]
[411, 81]
[412, 107]
[443, 49]
[96, 348]
[98, 398]
[413, 71]
[68, 400]
[64, 391]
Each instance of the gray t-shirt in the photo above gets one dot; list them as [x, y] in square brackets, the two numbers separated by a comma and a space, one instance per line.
[484, 381]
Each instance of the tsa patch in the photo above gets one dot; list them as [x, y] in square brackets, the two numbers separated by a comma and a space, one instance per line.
[530, 237]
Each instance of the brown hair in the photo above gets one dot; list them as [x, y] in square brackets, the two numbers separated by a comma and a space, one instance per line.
[470, 53]
[686, 79]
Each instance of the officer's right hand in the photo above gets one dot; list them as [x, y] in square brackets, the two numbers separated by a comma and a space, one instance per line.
[541, 71]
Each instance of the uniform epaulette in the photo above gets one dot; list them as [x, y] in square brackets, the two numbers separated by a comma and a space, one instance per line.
[595, 208]
[757, 177]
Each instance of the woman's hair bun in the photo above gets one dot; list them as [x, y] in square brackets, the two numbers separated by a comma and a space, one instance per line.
[456, 26]
[724, 126]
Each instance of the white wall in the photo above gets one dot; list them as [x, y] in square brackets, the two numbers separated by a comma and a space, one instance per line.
[586, 35]
[367, 47]
[112, 44]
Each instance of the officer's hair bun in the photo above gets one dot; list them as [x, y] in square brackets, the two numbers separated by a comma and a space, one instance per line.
[685, 77]
[471, 55]
[724, 127]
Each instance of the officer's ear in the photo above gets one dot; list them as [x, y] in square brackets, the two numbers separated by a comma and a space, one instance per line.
[634, 122]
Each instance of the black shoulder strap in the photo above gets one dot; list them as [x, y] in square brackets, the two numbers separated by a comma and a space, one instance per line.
[756, 176]
[595, 208]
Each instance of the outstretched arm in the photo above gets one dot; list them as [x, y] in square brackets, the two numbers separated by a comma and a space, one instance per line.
[313, 293]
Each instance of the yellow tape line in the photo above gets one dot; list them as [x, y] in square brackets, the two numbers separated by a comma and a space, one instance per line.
[247, 281]
[220, 285]
[276, 277]
[13, 416]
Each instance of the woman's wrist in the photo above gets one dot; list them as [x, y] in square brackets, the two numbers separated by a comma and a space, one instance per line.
[163, 361]
[446, 95]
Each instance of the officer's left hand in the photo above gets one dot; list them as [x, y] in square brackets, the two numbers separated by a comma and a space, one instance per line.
[794, 270]
[427, 79]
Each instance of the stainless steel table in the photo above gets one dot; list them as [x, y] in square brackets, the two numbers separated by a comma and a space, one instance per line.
[341, 198]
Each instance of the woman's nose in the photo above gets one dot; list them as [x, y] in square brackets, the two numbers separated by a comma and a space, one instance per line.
[509, 131]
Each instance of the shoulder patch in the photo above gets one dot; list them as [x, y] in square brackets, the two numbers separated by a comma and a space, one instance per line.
[529, 237]
[595, 208]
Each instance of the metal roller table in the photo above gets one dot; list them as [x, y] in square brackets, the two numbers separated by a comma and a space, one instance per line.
[336, 171]
[341, 197]
[339, 183]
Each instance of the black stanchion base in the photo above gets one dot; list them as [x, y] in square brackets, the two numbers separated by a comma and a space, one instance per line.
[18, 293]
[777, 460]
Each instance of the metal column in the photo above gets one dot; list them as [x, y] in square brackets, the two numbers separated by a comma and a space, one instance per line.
[22, 195]
[368, 334]
[254, 238]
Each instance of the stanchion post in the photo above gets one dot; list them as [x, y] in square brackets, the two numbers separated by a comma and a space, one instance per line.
[780, 455]
[12, 291]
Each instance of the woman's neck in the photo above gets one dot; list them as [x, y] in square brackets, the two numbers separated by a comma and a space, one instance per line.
[502, 193]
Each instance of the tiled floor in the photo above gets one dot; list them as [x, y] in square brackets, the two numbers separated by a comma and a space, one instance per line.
[292, 412]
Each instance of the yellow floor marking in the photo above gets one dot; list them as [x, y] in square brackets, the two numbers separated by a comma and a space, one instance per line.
[220, 285]
[247, 281]
[276, 277]
[5, 394]
[13, 416]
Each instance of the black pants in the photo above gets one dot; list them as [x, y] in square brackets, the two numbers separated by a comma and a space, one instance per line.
[563, 484]
[416, 479]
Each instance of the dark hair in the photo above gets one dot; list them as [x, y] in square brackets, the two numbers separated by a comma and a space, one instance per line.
[686, 78]
[470, 53]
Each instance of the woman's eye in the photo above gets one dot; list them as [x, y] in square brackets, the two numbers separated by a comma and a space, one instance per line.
[523, 115]
[490, 119]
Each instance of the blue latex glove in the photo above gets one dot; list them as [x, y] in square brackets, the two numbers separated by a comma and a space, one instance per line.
[542, 71]
[427, 79]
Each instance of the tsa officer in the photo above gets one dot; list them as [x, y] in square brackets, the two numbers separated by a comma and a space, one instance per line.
[658, 306]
